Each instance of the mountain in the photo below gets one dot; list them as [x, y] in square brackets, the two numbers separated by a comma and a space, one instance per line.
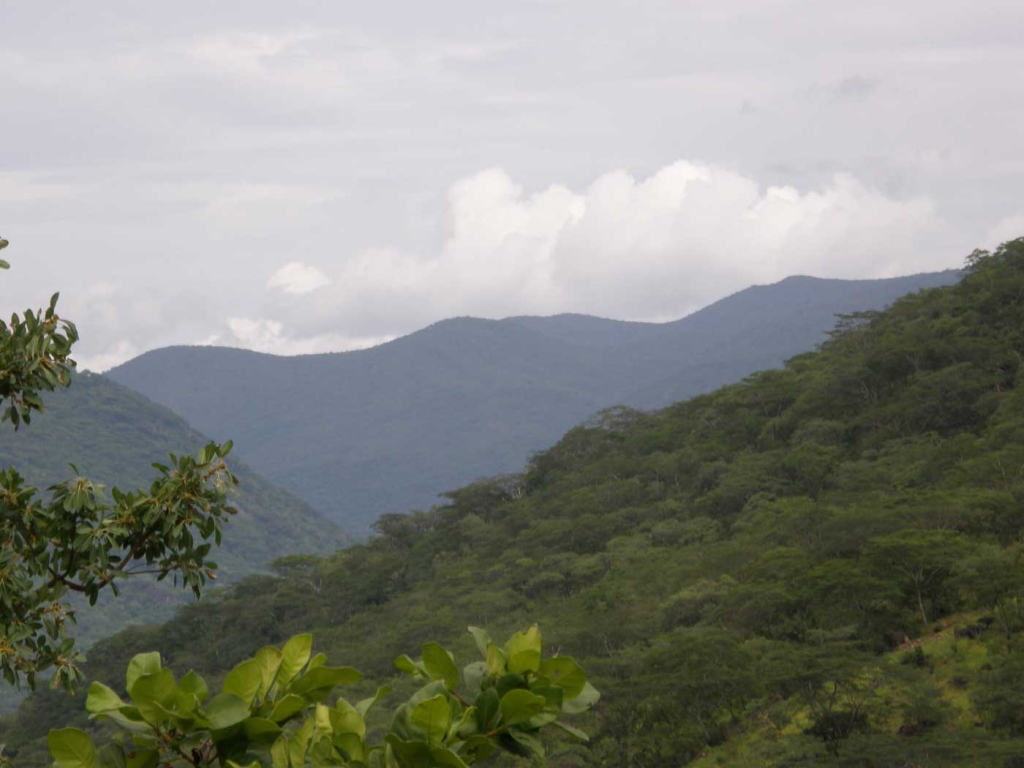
[113, 435]
[817, 566]
[359, 434]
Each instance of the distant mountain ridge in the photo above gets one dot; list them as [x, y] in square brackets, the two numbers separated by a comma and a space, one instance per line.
[358, 434]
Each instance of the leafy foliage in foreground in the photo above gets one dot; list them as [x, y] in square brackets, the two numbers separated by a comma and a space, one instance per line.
[272, 710]
[742, 575]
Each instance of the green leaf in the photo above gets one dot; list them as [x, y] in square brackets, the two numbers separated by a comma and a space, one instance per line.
[445, 757]
[364, 706]
[112, 756]
[483, 640]
[439, 665]
[225, 710]
[260, 731]
[154, 696]
[102, 699]
[476, 749]
[195, 685]
[552, 708]
[287, 707]
[433, 718]
[523, 651]
[294, 656]
[71, 748]
[571, 730]
[518, 706]
[244, 680]
[410, 754]
[587, 698]
[279, 753]
[488, 710]
[529, 744]
[317, 684]
[566, 674]
[269, 661]
[496, 660]
[142, 664]
[404, 664]
[143, 758]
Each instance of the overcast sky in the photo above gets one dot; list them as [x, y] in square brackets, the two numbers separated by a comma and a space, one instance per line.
[309, 176]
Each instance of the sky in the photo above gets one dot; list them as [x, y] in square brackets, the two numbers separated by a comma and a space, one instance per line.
[308, 177]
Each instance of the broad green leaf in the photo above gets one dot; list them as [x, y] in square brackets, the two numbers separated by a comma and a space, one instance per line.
[269, 661]
[476, 749]
[473, 675]
[364, 706]
[287, 707]
[488, 710]
[433, 717]
[523, 651]
[294, 656]
[318, 683]
[351, 746]
[154, 696]
[482, 639]
[518, 706]
[102, 699]
[233, 764]
[298, 744]
[346, 719]
[445, 757]
[571, 730]
[260, 731]
[142, 664]
[566, 674]
[279, 753]
[530, 744]
[244, 680]
[194, 684]
[496, 660]
[225, 710]
[111, 756]
[587, 698]
[552, 709]
[71, 748]
[409, 754]
[439, 665]
[404, 664]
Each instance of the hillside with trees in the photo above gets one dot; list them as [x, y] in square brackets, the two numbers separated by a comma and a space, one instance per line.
[113, 435]
[383, 430]
[819, 565]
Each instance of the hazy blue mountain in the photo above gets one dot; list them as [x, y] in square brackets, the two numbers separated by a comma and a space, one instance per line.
[358, 434]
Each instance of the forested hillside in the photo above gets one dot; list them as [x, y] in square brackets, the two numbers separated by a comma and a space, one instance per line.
[384, 430]
[818, 565]
[113, 435]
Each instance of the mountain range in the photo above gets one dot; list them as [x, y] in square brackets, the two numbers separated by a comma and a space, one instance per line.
[359, 434]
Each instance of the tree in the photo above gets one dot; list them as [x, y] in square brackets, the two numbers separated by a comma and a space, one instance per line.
[76, 540]
[272, 710]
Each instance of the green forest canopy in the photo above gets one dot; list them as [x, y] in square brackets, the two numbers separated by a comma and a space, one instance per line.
[818, 564]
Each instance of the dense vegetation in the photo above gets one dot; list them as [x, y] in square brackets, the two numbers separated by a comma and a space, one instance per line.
[384, 430]
[113, 436]
[818, 565]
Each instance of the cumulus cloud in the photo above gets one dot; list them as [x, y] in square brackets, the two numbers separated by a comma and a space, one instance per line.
[297, 278]
[639, 248]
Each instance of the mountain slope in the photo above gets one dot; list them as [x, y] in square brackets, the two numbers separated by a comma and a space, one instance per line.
[820, 565]
[113, 435]
[360, 434]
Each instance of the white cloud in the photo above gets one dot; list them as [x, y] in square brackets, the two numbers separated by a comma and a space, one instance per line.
[268, 336]
[650, 248]
[297, 278]
[113, 355]
[1009, 228]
